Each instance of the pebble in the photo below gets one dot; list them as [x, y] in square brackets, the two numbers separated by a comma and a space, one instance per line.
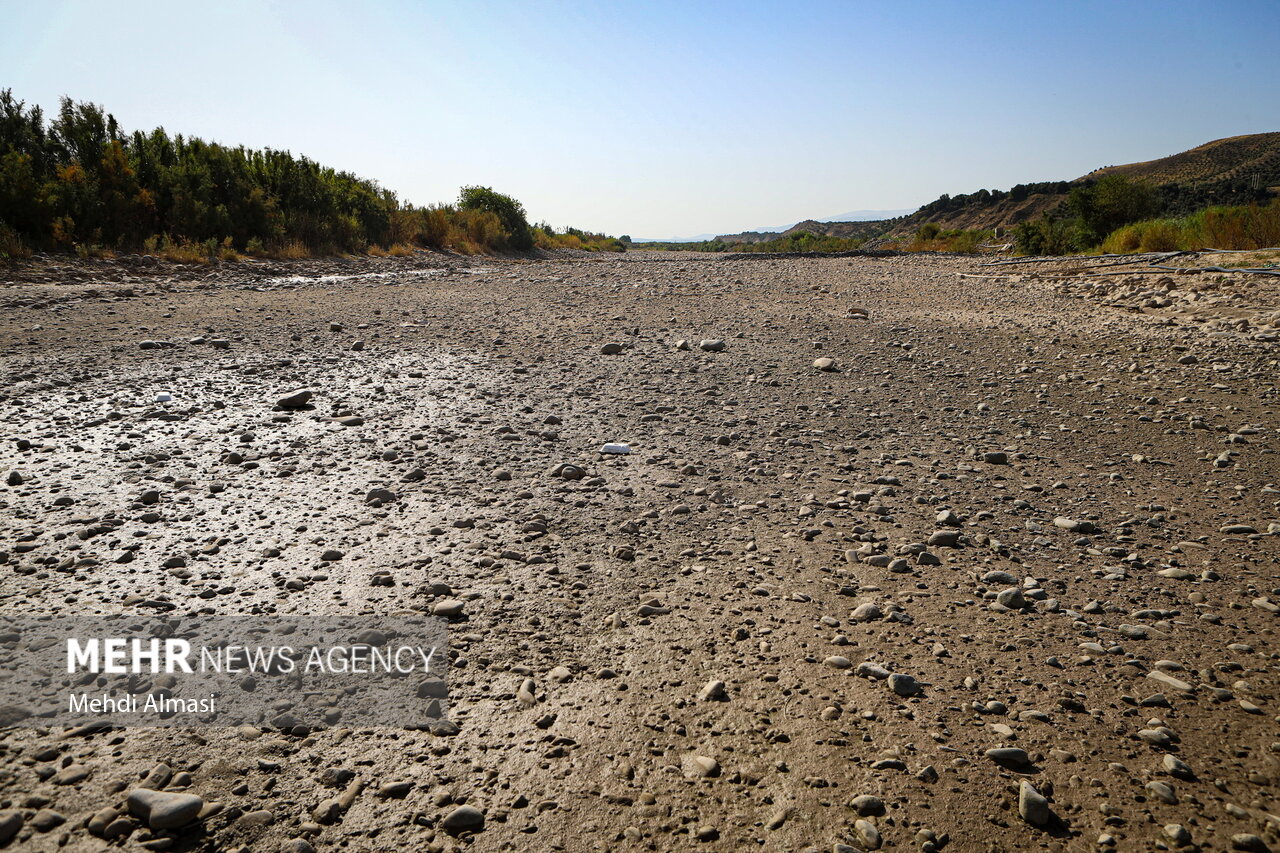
[711, 345]
[295, 399]
[449, 608]
[904, 685]
[1032, 805]
[867, 834]
[1011, 757]
[826, 365]
[867, 805]
[712, 691]
[10, 824]
[163, 809]
[463, 819]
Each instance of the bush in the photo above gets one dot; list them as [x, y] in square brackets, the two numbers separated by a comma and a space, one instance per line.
[11, 245]
[1239, 227]
[931, 238]
[1046, 236]
[509, 213]
[1110, 203]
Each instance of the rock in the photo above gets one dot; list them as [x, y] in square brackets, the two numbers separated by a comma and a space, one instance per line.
[297, 845]
[838, 662]
[867, 612]
[713, 691]
[1169, 681]
[164, 810]
[98, 823]
[1074, 526]
[1178, 834]
[996, 457]
[944, 538]
[10, 824]
[463, 819]
[611, 348]
[1011, 598]
[867, 805]
[1238, 529]
[700, 767]
[1011, 757]
[1178, 768]
[1032, 805]
[866, 669]
[867, 834]
[395, 790]
[47, 819]
[1249, 843]
[826, 365]
[295, 399]
[904, 685]
[711, 345]
[449, 608]
[15, 478]
[616, 448]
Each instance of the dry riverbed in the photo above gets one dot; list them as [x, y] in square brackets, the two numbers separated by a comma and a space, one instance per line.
[1000, 575]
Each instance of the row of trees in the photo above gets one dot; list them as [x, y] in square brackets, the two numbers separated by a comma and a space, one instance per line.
[983, 198]
[80, 181]
[1119, 214]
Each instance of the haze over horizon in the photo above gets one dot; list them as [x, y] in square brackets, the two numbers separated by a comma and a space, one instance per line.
[673, 121]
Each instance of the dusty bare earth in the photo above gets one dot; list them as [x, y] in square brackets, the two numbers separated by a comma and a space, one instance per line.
[1022, 512]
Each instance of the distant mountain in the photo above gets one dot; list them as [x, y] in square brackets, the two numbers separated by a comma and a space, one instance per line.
[852, 216]
[698, 239]
[842, 225]
[865, 216]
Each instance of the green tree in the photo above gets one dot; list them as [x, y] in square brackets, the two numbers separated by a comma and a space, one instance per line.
[1110, 203]
[509, 212]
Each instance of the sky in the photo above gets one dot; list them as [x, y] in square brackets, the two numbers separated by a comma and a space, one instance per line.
[669, 119]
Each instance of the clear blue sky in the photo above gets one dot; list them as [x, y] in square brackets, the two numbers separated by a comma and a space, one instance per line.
[670, 118]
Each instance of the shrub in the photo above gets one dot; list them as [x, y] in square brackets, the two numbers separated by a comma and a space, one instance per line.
[1110, 203]
[11, 245]
[1238, 227]
[1046, 236]
[508, 212]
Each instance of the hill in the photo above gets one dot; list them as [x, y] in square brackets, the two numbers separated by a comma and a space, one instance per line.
[1233, 170]
[1236, 157]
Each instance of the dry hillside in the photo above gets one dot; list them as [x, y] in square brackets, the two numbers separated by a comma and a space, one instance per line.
[1210, 173]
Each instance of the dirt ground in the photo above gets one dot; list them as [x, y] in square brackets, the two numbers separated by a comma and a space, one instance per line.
[1027, 508]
